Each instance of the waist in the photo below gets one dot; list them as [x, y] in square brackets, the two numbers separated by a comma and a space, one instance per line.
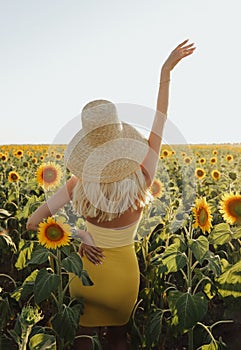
[112, 238]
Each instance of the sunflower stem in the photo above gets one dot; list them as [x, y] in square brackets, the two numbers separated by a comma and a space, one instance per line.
[67, 285]
[189, 262]
[60, 287]
[190, 339]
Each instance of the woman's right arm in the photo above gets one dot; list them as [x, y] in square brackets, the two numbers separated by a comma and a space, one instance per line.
[150, 162]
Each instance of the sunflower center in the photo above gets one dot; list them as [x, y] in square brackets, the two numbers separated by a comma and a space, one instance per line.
[235, 208]
[14, 177]
[203, 217]
[49, 175]
[200, 172]
[54, 232]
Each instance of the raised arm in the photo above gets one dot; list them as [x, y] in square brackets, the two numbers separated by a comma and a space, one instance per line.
[150, 163]
[49, 208]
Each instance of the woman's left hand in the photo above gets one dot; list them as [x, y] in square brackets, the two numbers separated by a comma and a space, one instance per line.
[94, 254]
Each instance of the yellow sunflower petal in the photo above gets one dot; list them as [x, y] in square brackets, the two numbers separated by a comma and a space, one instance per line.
[13, 176]
[156, 188]
[230, 208]
[202, 215]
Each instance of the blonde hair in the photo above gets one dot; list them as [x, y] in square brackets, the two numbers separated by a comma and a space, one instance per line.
[109, 200]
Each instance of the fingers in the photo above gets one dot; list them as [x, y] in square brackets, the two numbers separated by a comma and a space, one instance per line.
[81, 251]
[180, 45]
[186, 52]
[94, 254]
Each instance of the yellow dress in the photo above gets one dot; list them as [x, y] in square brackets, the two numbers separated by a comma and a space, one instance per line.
[110, 300]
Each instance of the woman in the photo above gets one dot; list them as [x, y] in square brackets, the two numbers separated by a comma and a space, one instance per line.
[113, 167]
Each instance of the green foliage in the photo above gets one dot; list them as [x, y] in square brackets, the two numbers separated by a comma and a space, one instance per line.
[66, 322]
[42, 341]
[45, 283]
[73, 263]
[199, 247]
[40, 255]
[187, 277]
[229, 283]
[174, 258]
[187, 309]
[25, 252]
[26, 288]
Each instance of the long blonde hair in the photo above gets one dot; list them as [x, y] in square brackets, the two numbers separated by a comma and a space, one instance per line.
[109, 200]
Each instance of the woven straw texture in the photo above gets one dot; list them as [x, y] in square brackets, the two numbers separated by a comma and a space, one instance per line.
[105, 150]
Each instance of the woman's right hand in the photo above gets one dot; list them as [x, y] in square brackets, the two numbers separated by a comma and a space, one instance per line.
[93, 253]
[178, 54]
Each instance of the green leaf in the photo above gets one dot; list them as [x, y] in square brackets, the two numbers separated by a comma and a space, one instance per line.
[6, 243]
[199, 247]
[229, 283]
[236, 233]
[45, 284]
[220, 234]
[73, 263]
[5, 312]
[66, 322]
[26, 288]
[173, 258]
[187, 309]
[26, 249]
[211, 346]
[96, 344]
[40, 255]
[42, 341]
[154, 328]
[4, 214]
[214, 263]
[86, 279]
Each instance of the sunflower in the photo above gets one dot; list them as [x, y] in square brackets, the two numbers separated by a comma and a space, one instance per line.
[230, 208]
[215, 152]
[215, 174]
[165, 153]
[4, 157]
[41, 157]
[202, 160]
[34, 160]
[49, 175]
[229, 157]
[54, 233]
[200, 173]
[213, 160]
[58, 156]
[202, 215]
[156, 188]
[187, 160]
[26, 164]
[18, 153]
[13, 176]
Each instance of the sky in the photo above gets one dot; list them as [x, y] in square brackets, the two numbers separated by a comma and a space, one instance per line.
[58, 55]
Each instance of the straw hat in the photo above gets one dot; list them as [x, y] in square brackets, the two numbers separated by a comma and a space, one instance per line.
[105, 150]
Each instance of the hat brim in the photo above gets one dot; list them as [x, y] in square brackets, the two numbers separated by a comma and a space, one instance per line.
[112, 161]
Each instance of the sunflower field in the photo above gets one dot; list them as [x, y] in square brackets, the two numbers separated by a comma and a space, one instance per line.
[188, 247]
